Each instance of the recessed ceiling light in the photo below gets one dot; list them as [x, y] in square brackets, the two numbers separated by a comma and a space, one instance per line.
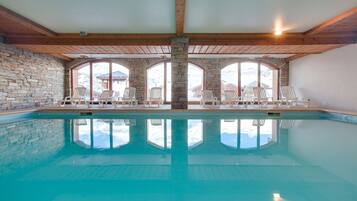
[278, 32]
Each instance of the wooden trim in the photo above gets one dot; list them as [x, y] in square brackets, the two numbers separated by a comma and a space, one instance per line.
[21, 20]
[180, 16]
[110, 76]
[91, 80]
[61, 56]
[296, 56]
[165, 81]
[239, 80]
[331, 22]
[259, 74]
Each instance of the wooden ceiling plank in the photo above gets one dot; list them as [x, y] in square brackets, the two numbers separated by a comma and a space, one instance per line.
[9, 14]
[331, 22]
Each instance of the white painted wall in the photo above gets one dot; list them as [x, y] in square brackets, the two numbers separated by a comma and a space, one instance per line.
[329, 79]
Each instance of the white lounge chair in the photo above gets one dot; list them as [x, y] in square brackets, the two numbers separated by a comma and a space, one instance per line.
[129, 96]
[207, 97]
[288, 96]
[261, 96]
[248, 96]
[230, 97]
[104, 98]
[78, 97]
[155, 97]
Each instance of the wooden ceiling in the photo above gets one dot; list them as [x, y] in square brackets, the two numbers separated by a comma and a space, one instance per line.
[24, 33]
[193, 49]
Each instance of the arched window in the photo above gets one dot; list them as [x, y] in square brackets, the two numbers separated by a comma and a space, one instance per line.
[159, 75]
[105, 76]
[237, 76]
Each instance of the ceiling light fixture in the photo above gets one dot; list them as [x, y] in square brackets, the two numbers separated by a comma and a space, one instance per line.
[278, 32]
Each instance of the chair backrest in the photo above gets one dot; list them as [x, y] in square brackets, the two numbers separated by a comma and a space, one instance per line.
[287, 92]
[79, 92]
[260, 92]
[207, 95]
[106, 94]
[286, 124]
[129, 93]
[230, 95]
[248, 91]
[156, 93]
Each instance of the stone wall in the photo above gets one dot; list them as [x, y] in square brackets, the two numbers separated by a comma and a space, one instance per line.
[211, 66]
[29, 80]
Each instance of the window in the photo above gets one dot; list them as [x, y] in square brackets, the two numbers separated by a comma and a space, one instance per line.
[229, 78]
[101, 133]
[267, 80]
[81, 78]
[159, 75]
[237, 76]
[248, 133]
[249, 74]
[105, 76]
[195, 82]
[100, 78]
[156, 78]
[120, 79]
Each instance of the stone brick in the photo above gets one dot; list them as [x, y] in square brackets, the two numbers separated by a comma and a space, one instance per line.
[28, 79]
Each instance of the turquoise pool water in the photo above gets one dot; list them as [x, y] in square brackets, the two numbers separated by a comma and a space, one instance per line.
[178, 156]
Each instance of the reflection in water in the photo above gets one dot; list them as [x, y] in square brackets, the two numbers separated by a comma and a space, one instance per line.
[159, 133]
[248, 134]
[194, 133]
[101, 133]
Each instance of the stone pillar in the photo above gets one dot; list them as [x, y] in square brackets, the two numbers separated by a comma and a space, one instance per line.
[284, 75]
[67, 82]
[179, 63]
[137, 78]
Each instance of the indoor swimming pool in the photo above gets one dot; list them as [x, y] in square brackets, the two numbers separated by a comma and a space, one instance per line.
[178, 156]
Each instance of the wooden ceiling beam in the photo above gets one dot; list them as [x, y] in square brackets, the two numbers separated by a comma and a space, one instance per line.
[270, 39]
[20, 20]
[318, 29]
[180, 17]
[61, 56]
[296, 56]
[195, 39]
[94, 39]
